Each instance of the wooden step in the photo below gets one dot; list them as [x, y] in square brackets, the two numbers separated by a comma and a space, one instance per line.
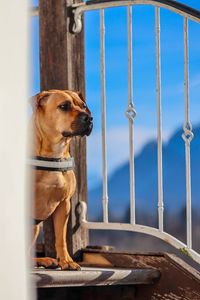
[149, 276]
[178, 279]
[91, 276]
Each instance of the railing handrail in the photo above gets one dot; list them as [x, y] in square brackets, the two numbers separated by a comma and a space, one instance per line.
[177, 7]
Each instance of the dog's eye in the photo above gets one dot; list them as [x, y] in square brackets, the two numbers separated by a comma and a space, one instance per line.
[65, 106]
[84, 106]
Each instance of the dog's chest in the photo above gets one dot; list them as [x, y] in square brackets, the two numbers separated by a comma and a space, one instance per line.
[51, 188]
[54, 186]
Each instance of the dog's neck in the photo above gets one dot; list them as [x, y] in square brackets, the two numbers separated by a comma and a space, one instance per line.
[56, 149]
[48, 147]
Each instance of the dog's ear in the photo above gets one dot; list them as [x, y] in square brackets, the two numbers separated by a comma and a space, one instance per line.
[81, 96]
[39, 99]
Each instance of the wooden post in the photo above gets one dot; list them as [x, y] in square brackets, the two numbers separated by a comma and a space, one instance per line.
[62, 67]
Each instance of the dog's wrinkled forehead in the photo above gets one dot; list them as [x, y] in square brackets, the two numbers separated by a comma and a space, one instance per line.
[60, 95]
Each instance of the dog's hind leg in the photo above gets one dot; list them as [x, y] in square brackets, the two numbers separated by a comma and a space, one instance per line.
[60, 219]
[46, 262]
[36, 231]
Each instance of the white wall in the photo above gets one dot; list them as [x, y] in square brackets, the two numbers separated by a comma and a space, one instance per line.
[13, 99]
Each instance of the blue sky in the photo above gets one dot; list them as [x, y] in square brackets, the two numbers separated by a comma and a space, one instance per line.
[143, 79]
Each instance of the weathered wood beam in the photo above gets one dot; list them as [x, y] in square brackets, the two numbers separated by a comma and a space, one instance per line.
[62, 67]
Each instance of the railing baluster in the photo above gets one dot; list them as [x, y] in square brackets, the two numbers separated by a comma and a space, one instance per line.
[159, 121]
[187, 136]
[131, 113]
[103, 117]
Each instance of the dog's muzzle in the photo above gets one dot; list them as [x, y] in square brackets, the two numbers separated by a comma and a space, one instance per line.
[82, 126]
[89, 130]
[86, 122]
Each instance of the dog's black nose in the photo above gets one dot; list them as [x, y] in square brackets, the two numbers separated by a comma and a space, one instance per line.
[85, 118]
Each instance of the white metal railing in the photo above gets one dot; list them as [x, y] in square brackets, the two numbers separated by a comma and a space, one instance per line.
[103, 111]
[131, 114]
[187, 137]
[186, 13]
[159, 120]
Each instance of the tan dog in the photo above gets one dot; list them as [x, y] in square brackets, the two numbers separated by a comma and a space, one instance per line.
[57, 117]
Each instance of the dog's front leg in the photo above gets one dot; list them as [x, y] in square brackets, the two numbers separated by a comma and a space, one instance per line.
[60, 219]
[47, 262]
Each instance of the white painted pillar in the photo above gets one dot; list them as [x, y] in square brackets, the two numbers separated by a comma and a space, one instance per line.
[13, 100]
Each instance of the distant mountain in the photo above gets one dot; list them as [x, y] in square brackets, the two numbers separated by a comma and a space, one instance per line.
[146, 179]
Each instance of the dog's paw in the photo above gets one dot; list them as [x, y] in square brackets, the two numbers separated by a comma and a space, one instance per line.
[69, 265]
[46, 262]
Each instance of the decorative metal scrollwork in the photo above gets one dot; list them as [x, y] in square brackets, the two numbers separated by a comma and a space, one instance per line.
[77, 26]
[82, 211]
[187, 135]
[131, 112]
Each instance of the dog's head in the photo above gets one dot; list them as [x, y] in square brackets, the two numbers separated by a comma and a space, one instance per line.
[62, 113]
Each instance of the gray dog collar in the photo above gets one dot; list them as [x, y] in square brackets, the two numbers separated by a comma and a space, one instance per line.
[52, 164]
